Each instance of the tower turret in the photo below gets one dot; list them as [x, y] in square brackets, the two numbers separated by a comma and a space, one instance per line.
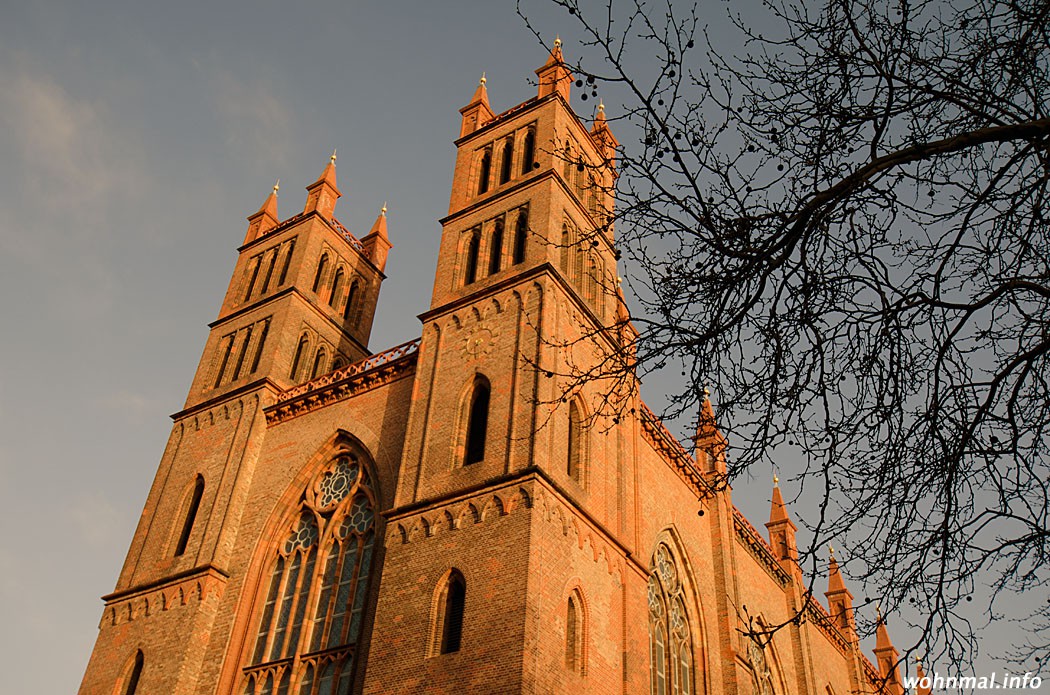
[322, 194]
[376, 243]
[266, 218]
[887, 656]
[782, 531]
[840, 600]
[554, 76]
[477, 113]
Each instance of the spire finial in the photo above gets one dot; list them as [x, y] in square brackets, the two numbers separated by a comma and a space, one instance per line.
[557, 41]
[383, 211]
[277, 187]
[707, 391]
[831, 551]
[601, 106]
[332, 158]
[483, 79]
[776, 480]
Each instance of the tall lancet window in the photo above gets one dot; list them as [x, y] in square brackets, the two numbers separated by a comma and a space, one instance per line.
[670, 644]
[507, 161]
[496, 248]
[477, 422]
[313, 604]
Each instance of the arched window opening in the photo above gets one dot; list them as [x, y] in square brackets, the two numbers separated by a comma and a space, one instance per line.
[473, 249]
[319, 276]
[259, 347]
[508, 160]
[351, 297]
[575, 443]
[242, 353]
[319, 361]
[300, 352]
[574, 633]
[269, 271]
[591, 280]
[528, 151]
[448, 627]
[484, 171]
[477, 423]
[566, 251]
[670, 642]
[337, 288]
[190, 516]
[338, 363]
[287, 263]
[314, 602]
[225, 360]
[521, 229]
[134, 673]
[496, 248]
[256, 262]
[566, 165]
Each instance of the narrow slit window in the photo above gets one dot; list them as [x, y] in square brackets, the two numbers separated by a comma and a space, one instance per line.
[350, 297]
[225, 360]
[256, 262]
[319, 276]
[575, 443]
[242, 353]
[496, 248]
[520, 232]
[287, 263]
[300, 352]
[259, 347]
[190, 516]
[451, 614]
[131, 685]
[319, 360]
[269, 272]
[528, 151]
[337, 288]
[508, 160]
[485, 171]
[477, 424]
[473, 249]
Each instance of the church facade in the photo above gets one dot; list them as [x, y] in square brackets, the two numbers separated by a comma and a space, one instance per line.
[477, 510]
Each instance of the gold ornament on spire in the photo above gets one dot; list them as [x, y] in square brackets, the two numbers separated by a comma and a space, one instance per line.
[483, 79]
[557, 41]
[383, 211]
[277, 187]
[332, 158]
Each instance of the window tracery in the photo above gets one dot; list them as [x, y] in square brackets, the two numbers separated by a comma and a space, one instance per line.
[313, 608]
[670, 642]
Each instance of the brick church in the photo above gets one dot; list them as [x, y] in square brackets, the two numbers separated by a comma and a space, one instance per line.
[462, 513]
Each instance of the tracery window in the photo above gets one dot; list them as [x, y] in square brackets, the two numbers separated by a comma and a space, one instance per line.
[313, 608]
[670, 644]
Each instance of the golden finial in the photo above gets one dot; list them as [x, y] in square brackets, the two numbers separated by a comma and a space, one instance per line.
[483, 80]
[776, 479]
[332, 158]
[831, 551]
[707, 391]
[383, 211]
[557, 41]
[277, 187]
[601, 106]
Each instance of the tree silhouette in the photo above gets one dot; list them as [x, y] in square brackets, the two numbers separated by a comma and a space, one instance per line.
[840, 224]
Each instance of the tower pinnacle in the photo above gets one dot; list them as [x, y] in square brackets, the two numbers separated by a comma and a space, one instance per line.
[323, 193]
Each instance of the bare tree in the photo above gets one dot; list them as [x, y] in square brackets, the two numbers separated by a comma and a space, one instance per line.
[840, 223]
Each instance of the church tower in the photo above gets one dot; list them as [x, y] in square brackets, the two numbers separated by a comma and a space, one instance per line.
[300, 303]
[502, 425]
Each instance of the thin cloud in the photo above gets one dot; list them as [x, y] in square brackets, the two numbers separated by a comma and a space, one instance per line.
[255, 119]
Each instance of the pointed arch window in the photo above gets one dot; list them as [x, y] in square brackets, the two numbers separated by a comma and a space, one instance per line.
[287, 263]
[259, 347]
[477, 423]
[313, 607]
[576, 443]
[269, 271]
[322, 265]
[447, 628]
[496, 248]
[575, 633]
[350, 299]
[670, 642]
[300, 353]
[521, 229]
[473, 249]
[133, 673]
[485, 171]
[256, 262]
[337, 288]
[528, 151]
[227, 350]
[242, 353]
[319, 361]
[508, 160]
[190, 515]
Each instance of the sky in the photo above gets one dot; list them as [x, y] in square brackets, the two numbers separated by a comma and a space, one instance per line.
[134, 140]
